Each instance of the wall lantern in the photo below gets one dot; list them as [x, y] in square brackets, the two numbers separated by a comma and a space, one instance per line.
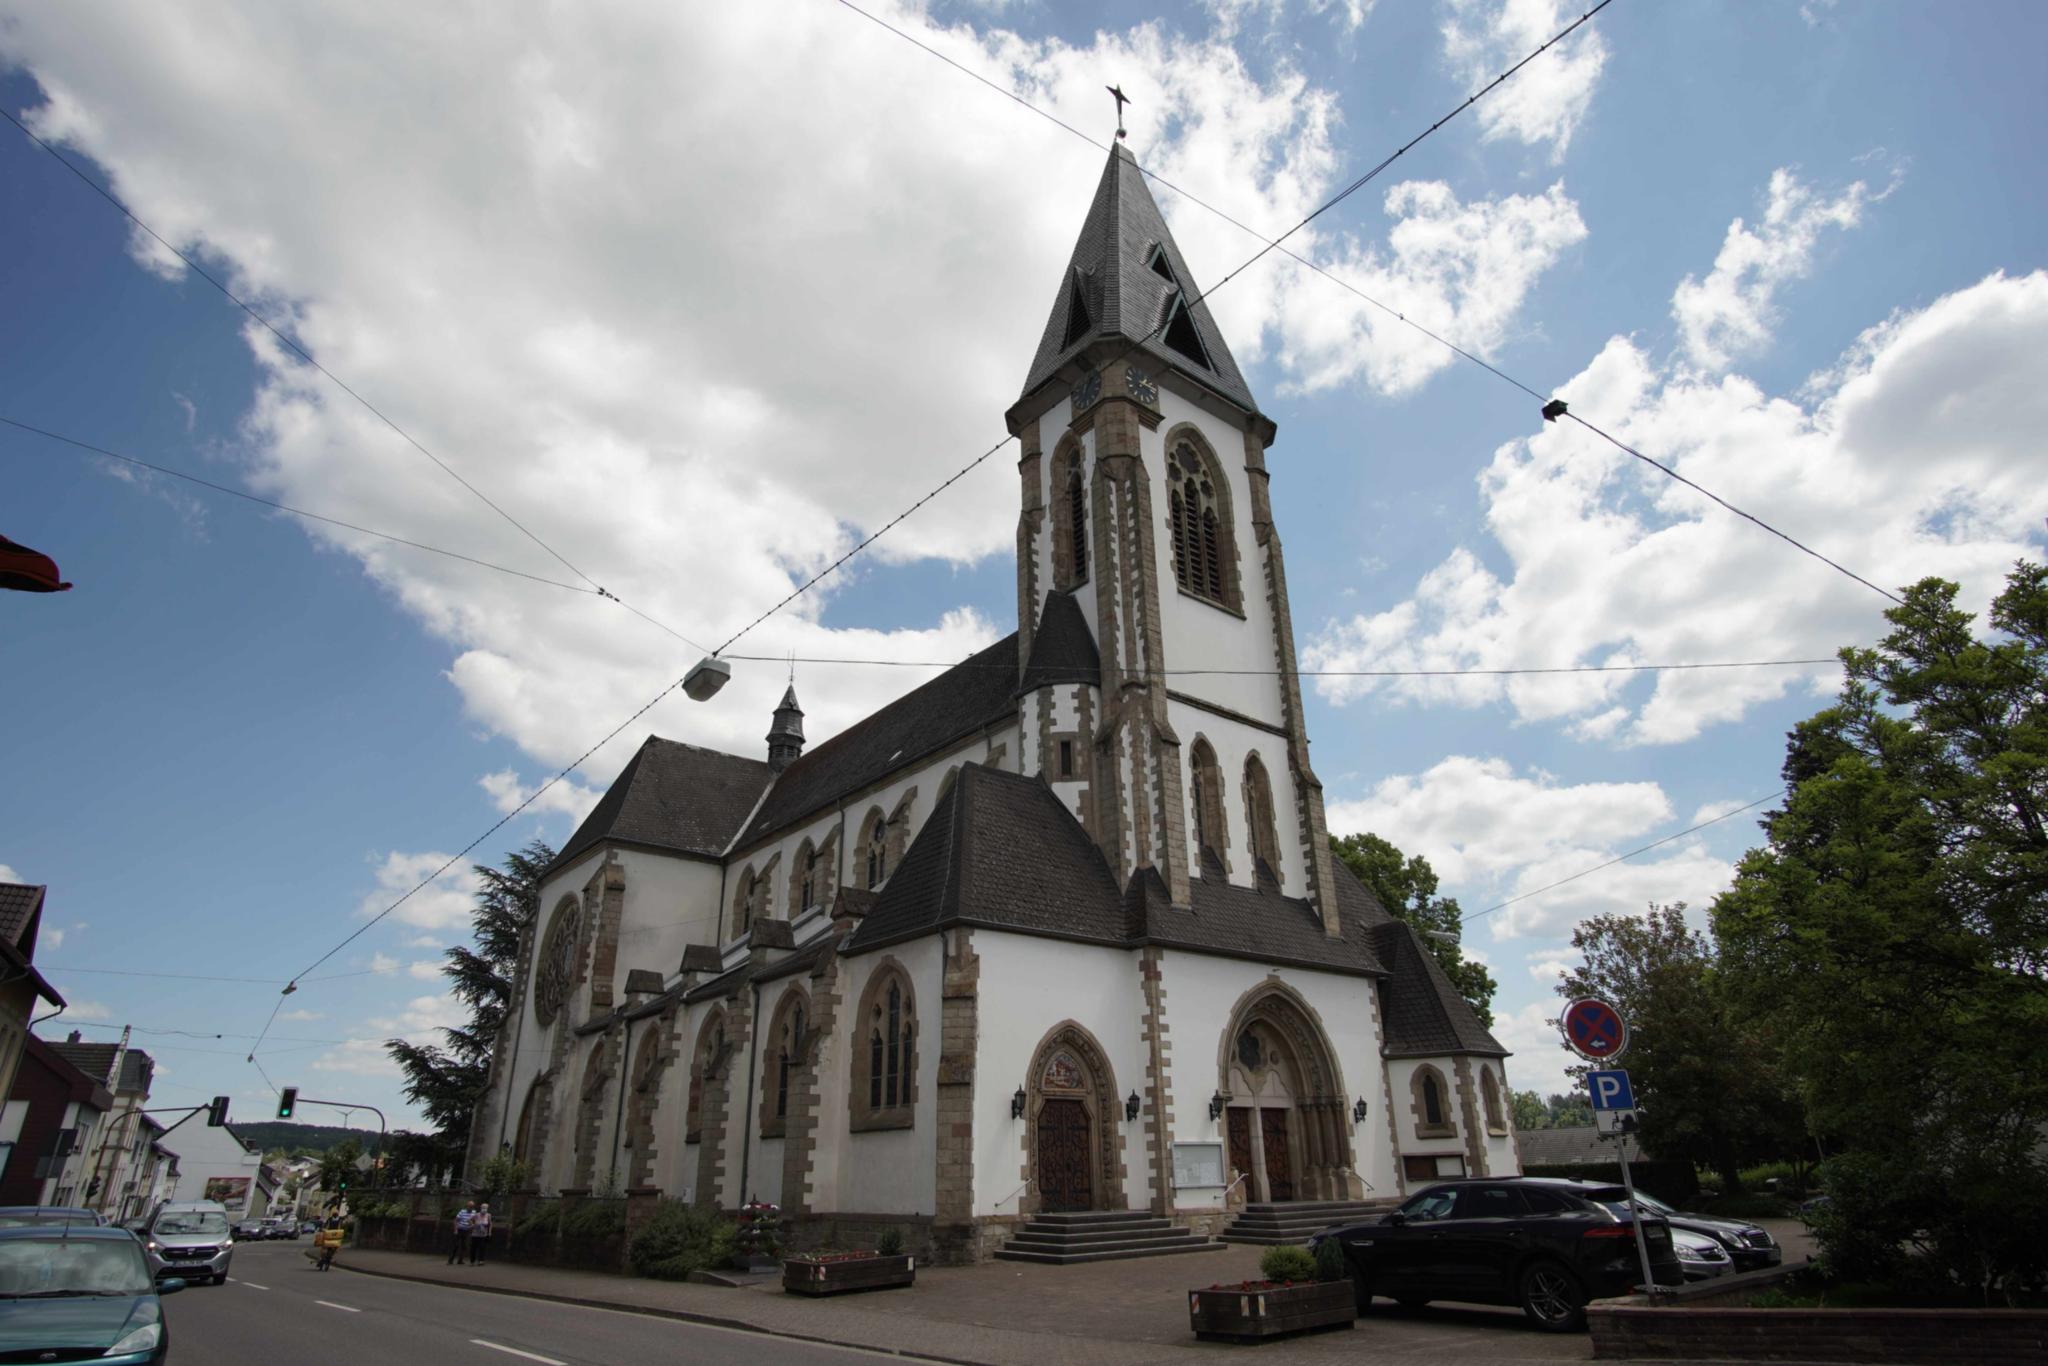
[1216, 1106]
[1017, 1104]
[1358, 1111]
[1131, 1106]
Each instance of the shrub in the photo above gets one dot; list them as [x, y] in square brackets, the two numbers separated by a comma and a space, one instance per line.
[890, 1244]
[541, 1219]
[505, 1173]
[595, 1219]
[678, 1239]
[1287, 1264]
[1330, 1263]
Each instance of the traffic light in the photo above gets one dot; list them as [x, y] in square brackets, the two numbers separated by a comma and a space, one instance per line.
[287, 1101]
[217, 1113]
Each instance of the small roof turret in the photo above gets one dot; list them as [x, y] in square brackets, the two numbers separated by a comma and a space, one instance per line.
[786, 733]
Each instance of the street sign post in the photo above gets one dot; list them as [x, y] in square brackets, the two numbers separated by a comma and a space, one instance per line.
[1594, 1030]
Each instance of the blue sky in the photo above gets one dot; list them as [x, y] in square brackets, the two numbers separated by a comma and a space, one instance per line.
[702, 300]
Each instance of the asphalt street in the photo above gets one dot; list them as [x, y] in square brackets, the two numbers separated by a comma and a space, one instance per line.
[277, 1308]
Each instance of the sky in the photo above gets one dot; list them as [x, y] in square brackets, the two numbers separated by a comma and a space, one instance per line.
[700, 297]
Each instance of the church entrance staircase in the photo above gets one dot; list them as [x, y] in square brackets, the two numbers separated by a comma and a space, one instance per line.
[1296, 1221]
[1100, 1236]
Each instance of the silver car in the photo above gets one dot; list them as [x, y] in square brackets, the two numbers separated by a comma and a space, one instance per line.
[189, 1239]
[1700, 1257]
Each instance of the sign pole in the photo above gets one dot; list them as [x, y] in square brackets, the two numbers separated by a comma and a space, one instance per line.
[1635, 1211]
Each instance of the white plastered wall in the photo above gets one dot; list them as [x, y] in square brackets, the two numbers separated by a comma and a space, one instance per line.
[1097, 988]
[1401, 1075]
[886, 1171]
[1233, 742]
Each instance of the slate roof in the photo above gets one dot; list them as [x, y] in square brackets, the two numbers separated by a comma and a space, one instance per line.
[1003, 851]
[94, 1059]
[673, 796]
[1426, 1017]
[1063, 648]
[964, 699]
[1123, 296]
[18, 906]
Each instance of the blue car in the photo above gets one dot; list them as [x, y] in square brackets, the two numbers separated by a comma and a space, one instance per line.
[80, 1293]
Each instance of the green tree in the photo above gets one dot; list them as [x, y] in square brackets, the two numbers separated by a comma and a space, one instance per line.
[1407, 888]
[445, 1082]
[1530, 1112]
[1572, 1111]
[1894, 933]
[1703, 1078]
[338, 1164]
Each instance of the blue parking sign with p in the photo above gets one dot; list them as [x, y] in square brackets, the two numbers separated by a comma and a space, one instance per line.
[1610, 1090]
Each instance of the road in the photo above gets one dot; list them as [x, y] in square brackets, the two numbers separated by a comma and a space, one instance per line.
[277, 1308]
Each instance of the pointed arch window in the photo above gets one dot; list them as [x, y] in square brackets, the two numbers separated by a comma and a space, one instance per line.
[1260, 826]
[1429, 1103]
[743, 903]
[878, 851]
[1212, 834]
[1496, 1122]
[780, 1072]
[1077, 522]
[1198, 518]
[885, 1062]
[1069, 506]
[808, 868]
[704, 1068]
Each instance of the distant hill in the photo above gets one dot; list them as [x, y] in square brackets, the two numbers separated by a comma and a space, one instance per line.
[266, 1134]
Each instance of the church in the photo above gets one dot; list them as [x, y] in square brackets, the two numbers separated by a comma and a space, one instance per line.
[1058, 933]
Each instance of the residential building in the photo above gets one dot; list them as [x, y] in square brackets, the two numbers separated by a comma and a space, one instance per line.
[1059, 930]
[21, 986]
[213, 1163]
[49, 1127]
[115, 1184]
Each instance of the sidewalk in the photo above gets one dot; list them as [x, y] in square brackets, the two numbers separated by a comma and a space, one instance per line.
[1013, 1314]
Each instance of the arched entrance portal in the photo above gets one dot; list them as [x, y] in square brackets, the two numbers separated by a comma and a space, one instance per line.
[1070, 1132]
[1285, 1122]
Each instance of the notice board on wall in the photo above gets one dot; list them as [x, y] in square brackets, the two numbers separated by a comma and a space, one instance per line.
[1196, 1165]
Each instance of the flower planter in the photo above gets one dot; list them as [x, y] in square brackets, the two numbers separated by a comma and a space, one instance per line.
[1255, 1312]
[831, 1276]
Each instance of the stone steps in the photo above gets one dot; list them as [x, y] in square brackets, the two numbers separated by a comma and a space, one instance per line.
[1100, 1236]
[1287, 1223]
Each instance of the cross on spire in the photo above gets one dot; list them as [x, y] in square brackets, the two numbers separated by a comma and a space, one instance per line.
[1117, 92]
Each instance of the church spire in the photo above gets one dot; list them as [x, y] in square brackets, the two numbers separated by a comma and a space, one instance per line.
[786, 733]
[1127, 281]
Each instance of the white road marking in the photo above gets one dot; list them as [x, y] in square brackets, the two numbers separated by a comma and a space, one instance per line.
[251, 1284]
[332, 1305]
[514, 1351]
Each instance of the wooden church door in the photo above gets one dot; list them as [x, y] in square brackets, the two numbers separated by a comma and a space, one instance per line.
[1063, 1152]
[1279, 1160]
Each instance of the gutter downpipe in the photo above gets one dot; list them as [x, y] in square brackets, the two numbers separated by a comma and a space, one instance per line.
[747, 1119]
[619, 1112]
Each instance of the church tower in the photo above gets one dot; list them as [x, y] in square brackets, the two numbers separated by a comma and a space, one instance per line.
[1146, 526]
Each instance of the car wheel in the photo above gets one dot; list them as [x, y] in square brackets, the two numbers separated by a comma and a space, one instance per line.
[221, 1279]
[1553, 1298]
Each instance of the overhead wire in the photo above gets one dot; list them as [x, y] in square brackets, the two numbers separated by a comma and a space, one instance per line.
[293, 345]
[286, 507]
[1352, 188]
[1563, 410]
[1623, 858]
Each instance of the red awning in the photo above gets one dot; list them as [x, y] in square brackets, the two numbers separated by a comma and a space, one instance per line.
[28, 571]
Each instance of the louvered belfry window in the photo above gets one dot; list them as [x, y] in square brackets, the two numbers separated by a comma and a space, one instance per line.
[1077, 521]
[1197, 525]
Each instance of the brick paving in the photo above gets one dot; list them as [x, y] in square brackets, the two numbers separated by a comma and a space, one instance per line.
[1013, 1314]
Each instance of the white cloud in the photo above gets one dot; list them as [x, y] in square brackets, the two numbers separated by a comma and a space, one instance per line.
[1917, 455]
[1540, 1057]
[1230, 15]
[1486, 828]
[1731, 312]
[697, 349]
[50, 939]
[447, 903]
[87, 1010]
[425, 970]
[419, 1022]
[7, 874]
[300, 1016]
[568, 797]
[1546, 100]
[425, 941]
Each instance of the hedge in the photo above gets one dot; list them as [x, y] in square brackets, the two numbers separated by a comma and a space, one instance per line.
[1675, 1183]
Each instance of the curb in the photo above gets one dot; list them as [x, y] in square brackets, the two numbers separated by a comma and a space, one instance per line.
[679, 1315]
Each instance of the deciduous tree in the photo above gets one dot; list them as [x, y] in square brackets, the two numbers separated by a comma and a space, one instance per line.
[1407, 888]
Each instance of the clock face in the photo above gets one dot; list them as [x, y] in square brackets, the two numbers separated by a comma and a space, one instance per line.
[1086, 392]
[1140, 386]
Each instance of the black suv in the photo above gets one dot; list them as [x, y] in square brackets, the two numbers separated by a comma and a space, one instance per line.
[1521, 1240]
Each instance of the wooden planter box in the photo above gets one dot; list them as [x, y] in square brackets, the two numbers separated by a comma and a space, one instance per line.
[803, 1276]
[1255, 1315]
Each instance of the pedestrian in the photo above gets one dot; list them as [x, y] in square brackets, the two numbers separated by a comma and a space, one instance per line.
[480, 1235]
[465, 1220]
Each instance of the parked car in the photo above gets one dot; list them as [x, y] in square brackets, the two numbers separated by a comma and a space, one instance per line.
[189, 1239]
[309, 1226]
[280, 1228]
[250, 1230]
[1700, 1257]
[1750, 1246]
[1523, 1241]
[80, 1292]
[18, 1216]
